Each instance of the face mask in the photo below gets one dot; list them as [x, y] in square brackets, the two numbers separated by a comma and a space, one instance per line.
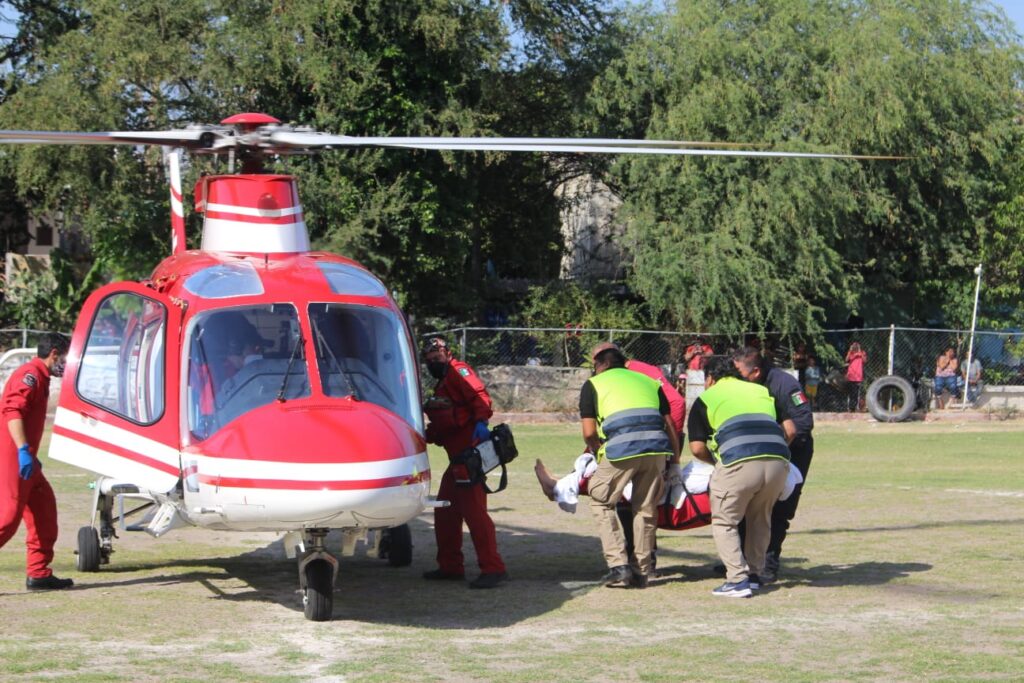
[58, 369]
[437, 369]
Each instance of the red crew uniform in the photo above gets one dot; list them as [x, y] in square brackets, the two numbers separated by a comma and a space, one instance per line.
[451, 426]
[25, 397]
[676, 402]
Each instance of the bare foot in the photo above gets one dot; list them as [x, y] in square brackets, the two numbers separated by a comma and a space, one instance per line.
[546, 479]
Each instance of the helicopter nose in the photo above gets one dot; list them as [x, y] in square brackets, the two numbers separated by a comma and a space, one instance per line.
[302, 464]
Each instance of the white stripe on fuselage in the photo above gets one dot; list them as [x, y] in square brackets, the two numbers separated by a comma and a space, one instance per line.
[285, 469]
[253, 211]
[92, 428]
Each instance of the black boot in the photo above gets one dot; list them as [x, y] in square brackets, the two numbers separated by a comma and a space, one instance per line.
[48, 583]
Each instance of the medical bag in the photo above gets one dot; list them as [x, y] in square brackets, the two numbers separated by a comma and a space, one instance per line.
[486, 456]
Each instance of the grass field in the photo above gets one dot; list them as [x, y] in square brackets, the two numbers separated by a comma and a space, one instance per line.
[903, 564]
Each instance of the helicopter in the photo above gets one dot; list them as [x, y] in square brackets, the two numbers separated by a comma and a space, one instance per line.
[255, 384]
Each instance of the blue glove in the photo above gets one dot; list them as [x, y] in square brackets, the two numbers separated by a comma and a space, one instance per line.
[481, 433]
[25, 462]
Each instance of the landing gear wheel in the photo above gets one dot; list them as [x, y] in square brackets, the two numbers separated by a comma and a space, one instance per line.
[319, 596]
[88, 550]
[890, 399]
[399, 546]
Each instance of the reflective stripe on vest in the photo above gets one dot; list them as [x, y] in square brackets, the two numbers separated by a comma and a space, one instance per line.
[742, 417]
[628, 415]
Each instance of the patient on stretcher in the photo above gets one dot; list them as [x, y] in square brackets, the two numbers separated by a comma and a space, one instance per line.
[693, 479]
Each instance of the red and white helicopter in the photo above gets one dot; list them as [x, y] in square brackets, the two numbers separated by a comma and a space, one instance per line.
[254, 384]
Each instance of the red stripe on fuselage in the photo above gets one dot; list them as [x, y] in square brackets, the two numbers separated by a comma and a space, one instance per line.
[115, 450]
[300, 485]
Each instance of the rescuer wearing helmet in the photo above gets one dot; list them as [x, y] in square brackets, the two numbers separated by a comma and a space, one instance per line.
[24, 491]
[458, 412]
[627, 424]
[744, 432]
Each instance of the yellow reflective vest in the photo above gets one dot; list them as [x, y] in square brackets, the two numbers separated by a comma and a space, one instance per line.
[629, 419]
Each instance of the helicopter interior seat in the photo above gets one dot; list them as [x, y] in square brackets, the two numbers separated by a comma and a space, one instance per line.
[258, 383]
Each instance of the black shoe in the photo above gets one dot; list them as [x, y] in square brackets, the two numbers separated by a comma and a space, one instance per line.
[618, 577]
[640, 580]
[439, 575]
[48, 583]
[489, 580]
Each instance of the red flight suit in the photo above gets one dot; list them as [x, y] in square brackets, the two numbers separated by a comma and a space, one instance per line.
[25, 396]
[451, 426]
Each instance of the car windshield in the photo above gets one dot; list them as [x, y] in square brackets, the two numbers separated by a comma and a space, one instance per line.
[240, 359]
[363, 351]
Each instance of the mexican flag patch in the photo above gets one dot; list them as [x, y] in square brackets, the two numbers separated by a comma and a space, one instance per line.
[798, 398]
[464, 372]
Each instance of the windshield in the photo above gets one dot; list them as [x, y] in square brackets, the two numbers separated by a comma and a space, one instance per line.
[240, 359]
[364, 352]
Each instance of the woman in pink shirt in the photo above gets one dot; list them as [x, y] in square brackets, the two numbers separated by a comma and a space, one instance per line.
[855, 359]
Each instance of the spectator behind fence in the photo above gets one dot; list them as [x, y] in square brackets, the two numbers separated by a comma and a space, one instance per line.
[812, 378]
[799, 360]
[855, 359]
[945, 376]
[697, 354]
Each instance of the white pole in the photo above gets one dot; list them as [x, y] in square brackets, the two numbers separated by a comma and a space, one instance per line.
[892, 346]
[970, 345]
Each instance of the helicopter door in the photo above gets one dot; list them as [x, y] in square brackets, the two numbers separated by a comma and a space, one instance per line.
[118, 413]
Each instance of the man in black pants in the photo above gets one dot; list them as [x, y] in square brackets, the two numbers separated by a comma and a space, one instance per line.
[783, 387]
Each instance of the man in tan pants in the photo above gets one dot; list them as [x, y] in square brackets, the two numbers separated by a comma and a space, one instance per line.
[740, 428]
[627, 424]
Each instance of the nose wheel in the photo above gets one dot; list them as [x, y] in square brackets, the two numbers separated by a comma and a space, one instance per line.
[317, 571]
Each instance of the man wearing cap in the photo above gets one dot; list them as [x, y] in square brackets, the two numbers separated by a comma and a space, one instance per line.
[627, 424]
[458, 412]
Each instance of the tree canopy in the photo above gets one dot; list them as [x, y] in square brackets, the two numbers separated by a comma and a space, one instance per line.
[427, 222]
[716, 244]
[737, 244]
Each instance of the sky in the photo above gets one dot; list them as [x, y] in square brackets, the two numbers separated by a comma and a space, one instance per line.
[1015, 10]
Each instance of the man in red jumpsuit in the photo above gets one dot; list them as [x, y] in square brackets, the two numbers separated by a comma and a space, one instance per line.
[24, 491]
[458, 413]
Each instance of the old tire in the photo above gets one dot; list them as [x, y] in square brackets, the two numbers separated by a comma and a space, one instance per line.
[399, 546]
[319, 597]
[88, 550]
[891, 399]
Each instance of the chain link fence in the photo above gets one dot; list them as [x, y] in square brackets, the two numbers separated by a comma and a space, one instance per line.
[542, 368]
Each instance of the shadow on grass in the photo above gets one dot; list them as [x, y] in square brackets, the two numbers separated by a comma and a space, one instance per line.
[547, 569]
[940, 524]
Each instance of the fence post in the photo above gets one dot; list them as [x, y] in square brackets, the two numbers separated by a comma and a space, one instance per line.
[462, 345]
[24, 338]
[892, 346]
[611, 336]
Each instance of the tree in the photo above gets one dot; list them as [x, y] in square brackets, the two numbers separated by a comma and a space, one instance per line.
[737, 244]
[425, 221]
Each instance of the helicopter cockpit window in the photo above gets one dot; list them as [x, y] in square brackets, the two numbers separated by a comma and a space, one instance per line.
[364, 352]
[240, 359]
[122, 368]
[225, 281]
[346, 279]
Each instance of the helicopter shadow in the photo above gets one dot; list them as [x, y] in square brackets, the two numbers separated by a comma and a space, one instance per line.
[547, 569]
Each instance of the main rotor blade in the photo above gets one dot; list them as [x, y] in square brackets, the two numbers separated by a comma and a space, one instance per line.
[564, 145]
[171, 138]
